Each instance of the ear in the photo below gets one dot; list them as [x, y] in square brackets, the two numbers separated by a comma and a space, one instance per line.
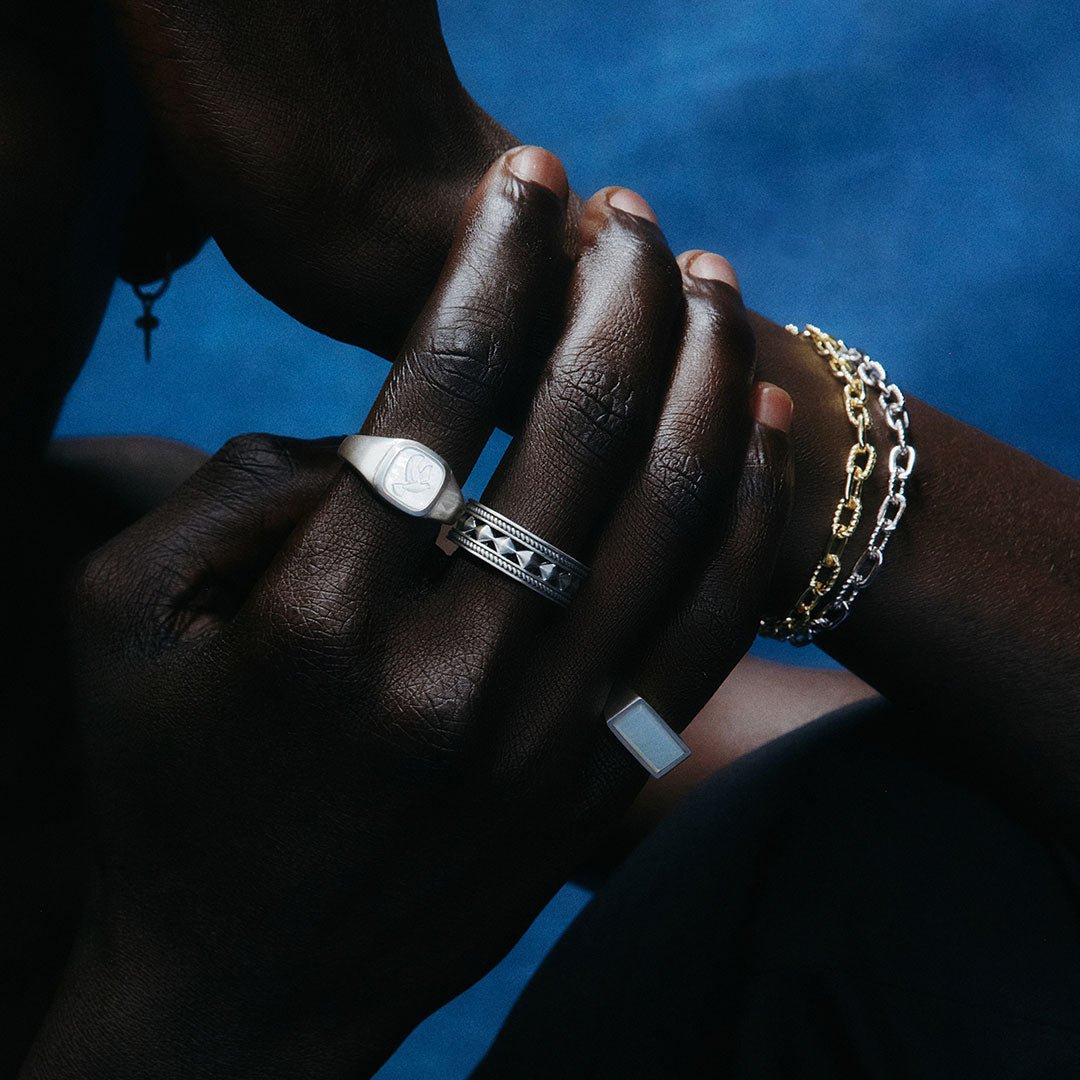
[164, 229]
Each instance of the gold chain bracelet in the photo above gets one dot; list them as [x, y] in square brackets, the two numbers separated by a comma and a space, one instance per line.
[843, 363]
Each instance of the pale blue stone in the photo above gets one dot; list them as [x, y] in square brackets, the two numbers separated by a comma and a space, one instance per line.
[642, 730]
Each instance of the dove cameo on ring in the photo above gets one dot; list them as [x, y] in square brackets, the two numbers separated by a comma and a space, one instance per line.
[407, 474]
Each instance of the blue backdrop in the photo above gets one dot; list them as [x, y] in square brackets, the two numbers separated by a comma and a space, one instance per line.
[903, 174]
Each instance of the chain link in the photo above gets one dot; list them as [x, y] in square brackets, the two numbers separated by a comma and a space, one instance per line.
[802, 625]
[843, 363]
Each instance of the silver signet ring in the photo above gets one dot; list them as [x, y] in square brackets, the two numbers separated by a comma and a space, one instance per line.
[407, 474]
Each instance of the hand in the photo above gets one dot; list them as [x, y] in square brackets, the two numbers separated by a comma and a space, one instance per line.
[340, 212]
[335, 773]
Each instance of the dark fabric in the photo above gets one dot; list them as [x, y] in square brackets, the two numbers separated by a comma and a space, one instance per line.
[829, 906]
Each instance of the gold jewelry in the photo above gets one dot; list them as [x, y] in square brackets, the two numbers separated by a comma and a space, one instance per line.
[805, 621]
[860, 463]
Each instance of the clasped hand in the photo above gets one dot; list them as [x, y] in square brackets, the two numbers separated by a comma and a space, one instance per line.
[335, 772]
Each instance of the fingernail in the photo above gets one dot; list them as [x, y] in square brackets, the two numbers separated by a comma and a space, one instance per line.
[632, 203]
[712, 267]
[536, 165]
[772, 406]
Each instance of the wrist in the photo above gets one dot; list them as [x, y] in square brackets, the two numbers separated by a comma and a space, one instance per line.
[821, 438]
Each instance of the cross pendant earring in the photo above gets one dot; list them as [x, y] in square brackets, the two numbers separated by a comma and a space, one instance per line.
[148, 322]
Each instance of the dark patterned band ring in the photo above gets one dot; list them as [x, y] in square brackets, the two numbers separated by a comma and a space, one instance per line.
[518, 553]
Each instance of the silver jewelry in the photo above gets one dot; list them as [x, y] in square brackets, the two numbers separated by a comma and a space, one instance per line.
[645, 733]
[517, 552]
[407, 474]
[901, 464]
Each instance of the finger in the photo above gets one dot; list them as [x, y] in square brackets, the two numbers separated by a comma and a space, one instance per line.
[479, 326]
[199, 553]
[594, 411]
[449, 381]
[670, 518]
[715, 625]
[710, 629]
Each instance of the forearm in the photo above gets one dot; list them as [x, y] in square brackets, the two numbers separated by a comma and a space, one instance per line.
[971, 623]
[973, 626]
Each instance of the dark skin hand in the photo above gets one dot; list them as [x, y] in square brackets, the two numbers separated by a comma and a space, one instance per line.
[334, 772]
[926, 633]
[974, 615]
[74, 170]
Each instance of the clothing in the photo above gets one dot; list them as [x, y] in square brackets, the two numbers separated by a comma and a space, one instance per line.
[832, 905]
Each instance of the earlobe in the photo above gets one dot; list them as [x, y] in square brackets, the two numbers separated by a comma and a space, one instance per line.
[164, 229]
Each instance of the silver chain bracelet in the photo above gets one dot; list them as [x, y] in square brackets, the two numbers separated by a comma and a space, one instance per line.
[901, 464]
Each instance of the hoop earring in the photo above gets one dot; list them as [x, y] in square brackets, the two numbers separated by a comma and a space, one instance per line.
[148, 322]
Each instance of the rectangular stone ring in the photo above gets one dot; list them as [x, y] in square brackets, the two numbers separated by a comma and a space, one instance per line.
[407, 474]
[644, 732]
[518, 553]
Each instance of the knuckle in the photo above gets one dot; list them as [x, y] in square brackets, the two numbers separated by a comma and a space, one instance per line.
[593, 405]
[675, 486]
[97, 583]
[253, 448]
[115, 609]
[461, 363]
[686, 424]
[644, 250]
[719, 308]
[432, 707]
[255, 457]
